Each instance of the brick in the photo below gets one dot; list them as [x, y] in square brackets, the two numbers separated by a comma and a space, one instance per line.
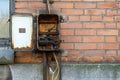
[36, 4]
[117, 59]
[23, 60]
[71, 25]
[72, 59]
[64, 59]
[111, 12]
[83, 5]
[84, 18]
[109, 0]
[67, 32]
[75, 53]
[118, 52]
[111, 53]
[93, 25]
[93, 39]
[94, 12]
[67, 46]
[107, 5]
[109, 59]
[96, 18]
[21, 4]
[93, 59]
[107, 32]
[71, 38]
[108, 19]
[110, 25]
[118, 25]
[71, 0]
[85, 32]
[25, 11]
[72, 11]
[108, 46]
[94, 53]
[36, 59]
[93, 0]
[117, 18]
[23, 54]
[73, 18]
[84, 46]
[62, 5]
[110, 39]
[118, 39]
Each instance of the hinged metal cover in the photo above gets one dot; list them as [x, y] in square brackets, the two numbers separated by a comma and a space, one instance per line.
[22, 30]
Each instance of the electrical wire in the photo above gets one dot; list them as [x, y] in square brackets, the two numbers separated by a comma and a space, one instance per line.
[56, 70]
[48, 6]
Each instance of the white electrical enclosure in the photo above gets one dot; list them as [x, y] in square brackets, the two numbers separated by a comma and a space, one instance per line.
[22, 30]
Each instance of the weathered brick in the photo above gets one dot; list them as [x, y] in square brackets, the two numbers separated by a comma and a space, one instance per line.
[94, 53]
[96, 18]
[75, 59]
[107, 5]
[71, 25]
[93, 25]
[25, 11]
[71, 0]
[64, 59]
[94, 12]
[93, 59]
[67, 46]
[107, 32]
[85, 32]
[93, 39]
[118, 52]
[36, 4]
[23, 60]
[67, 32]
[117, 59]
[73, 18]
[62, 5]
[111, 12]
[84, 18]
[118, 39]
[83, 5]
[118, 25]
[110, 39]
[23, 54]
[93, 0]
[109, 59]
[108, 46]
[71, 38]
[111, 53]
[117, 18]
[84, 46]
[108, 19]
[75, 53]
[72, 11]
[21, 4]
[110, 25]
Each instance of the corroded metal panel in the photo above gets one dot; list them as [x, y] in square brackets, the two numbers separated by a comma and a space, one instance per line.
[22, 30]
[6, 55]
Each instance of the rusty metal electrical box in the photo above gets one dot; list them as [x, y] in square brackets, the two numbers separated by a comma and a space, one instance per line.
[48, 32]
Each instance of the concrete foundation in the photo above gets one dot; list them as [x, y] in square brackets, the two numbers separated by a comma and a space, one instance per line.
[70, 71]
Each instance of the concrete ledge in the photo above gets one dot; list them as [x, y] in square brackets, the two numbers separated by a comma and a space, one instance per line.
[70, 71]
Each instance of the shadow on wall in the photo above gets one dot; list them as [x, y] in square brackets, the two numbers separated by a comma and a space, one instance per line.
[5, 72]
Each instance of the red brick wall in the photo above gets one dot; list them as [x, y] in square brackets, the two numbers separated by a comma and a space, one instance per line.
[91, 33]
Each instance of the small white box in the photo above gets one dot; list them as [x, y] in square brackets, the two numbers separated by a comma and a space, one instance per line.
[22, 30]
